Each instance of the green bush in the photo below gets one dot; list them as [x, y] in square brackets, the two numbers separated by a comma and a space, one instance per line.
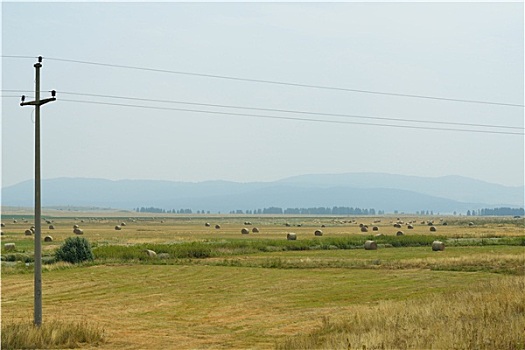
[74, 250]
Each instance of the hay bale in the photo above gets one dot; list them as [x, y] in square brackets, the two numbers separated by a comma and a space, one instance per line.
[375, 228]
[255, 230]
[9, 247]
[78, 231]
[438, 246]
[361, 225]
[291, 236]
[410, 227]
[207, 224]
[48, 239]
[150, 253]
[118, 228]
[75, 226]
[3, 225]
[471, 223]
[433, 229]
[1, 233]
[247, 223]
[396, 225]
[28, 232]
[445, 223]
[370, 245]
[318, 233]
[122, 224]
[14, 221]
[245, 231]
[323, 225]
[400, 233]
[364, 229]
[51, 227]
[217, 226]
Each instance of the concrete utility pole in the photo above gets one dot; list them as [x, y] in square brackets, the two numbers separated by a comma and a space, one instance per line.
[38, 209]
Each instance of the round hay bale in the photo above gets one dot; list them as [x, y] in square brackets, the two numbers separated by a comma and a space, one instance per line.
[410, 227]
[150, 253]
[3, 225]
[9, 247]
[48, 239]
[217, 226]
[247, 223]
[361, 225]
[207, 224]
[323, 225]
[471, 223]
[445, 223]
[318, 233]
[433, 229]
[28, 232]
[118, 228]
[14, 221]
[396, 225]
[438, 246]
[245, 231]
[1, 233]
[51, 227]
[375, 228]
[122, 224]
[400, 233]
[364, 229]
[287, 225]
[75, 226]
[78, 231]
[255, 230]
[370, 245]
[291, 236]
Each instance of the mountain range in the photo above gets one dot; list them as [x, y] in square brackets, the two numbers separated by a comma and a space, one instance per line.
[380, 191]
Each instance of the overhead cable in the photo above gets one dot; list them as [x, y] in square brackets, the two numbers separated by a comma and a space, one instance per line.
[323, 87]
[291, 118]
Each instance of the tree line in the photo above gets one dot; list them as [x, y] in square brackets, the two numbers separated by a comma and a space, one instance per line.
[503, 211]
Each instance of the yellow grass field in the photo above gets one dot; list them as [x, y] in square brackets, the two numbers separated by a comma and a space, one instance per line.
[393, 297]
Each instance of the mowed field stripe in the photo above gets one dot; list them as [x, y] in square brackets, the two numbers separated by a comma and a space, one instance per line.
[191, 306]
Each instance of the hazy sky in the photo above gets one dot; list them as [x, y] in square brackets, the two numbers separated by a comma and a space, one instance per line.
[468, 51]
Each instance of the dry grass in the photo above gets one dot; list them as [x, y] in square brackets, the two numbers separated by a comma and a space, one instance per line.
[50, 335]
[490, 315]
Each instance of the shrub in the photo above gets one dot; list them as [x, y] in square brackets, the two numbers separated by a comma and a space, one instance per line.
[75, 250]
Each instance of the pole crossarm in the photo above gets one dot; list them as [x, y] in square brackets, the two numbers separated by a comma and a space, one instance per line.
[38, 103]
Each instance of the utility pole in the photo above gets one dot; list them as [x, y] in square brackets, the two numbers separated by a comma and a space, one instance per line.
[38, 209]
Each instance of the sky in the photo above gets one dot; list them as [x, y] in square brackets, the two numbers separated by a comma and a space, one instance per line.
[456, 51]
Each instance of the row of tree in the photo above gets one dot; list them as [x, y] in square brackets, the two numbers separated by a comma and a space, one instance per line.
[504, 211]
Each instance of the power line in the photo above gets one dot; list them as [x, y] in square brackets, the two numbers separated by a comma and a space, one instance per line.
[290, 118]
[293, 111]
[323, 87]
[287, 111]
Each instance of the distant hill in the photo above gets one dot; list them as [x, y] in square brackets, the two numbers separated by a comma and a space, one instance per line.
[363, 190]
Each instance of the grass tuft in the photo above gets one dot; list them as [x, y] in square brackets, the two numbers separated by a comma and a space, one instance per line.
[50, 335]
